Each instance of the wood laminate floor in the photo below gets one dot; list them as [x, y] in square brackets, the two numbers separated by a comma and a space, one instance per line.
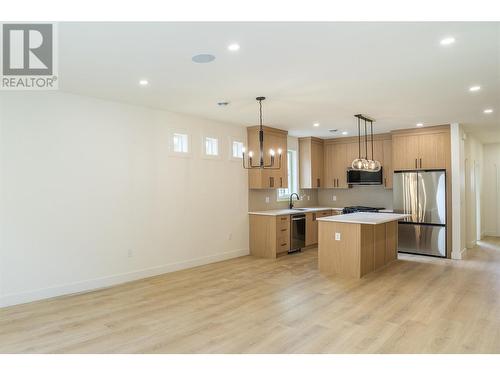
[249, 305]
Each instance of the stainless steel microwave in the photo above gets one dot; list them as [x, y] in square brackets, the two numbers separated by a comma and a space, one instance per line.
[355, 177]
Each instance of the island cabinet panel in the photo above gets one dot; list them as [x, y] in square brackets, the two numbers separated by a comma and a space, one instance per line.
[269, 235]
[344, 257]
[359, 248]
[268, 178]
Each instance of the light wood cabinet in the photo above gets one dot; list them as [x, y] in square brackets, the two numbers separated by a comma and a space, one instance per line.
[428, 149]
[339, 154]
[311, 163]
[269, 235]
[335, 165]
[387, 170]
[312, 225]
[268, 178]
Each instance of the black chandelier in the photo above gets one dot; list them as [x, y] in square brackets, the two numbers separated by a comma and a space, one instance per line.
[248, 164]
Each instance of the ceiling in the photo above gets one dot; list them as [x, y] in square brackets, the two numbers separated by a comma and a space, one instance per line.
[397, 73]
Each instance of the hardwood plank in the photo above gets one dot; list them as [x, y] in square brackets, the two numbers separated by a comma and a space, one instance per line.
[253, 305]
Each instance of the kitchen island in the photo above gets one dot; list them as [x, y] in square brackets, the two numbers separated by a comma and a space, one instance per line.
[353, 245]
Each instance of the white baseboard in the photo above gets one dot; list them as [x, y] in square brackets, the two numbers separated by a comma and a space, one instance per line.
[459, 254]
[107, 281]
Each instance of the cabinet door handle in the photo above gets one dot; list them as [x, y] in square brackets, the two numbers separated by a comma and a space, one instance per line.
[281, 181]
[271, 181]
[416, 166]
[284, 218]
[420, 162]
[385, 181]
[318, 182]
[283, 244]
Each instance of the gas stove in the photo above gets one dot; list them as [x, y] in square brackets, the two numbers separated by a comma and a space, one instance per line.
[352, 209]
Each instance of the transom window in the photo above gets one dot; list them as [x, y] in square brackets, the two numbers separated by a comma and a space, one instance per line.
[211, 146]
[181, 142]
[237, 149]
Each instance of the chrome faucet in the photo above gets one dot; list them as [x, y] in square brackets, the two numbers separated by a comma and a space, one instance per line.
[291, 199]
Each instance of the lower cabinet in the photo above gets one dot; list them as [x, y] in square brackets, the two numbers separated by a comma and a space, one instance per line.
[312, 225]
[269, 235]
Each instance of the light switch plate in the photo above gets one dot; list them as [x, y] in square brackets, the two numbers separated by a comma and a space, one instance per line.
[334, 198]
[337, 236]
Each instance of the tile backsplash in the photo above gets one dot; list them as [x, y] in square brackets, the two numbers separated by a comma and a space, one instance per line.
[372, 196]
[257, 199]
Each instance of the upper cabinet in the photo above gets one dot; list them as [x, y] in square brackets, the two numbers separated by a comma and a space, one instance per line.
[387, 165]
[268, 178]
[340, 152]
[311, 163]
[427, 148]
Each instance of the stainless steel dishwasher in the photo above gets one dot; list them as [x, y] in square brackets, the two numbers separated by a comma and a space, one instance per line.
[298, 232]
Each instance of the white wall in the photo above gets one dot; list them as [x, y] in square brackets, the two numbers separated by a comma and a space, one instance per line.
[458, 191]
[473, 184]
[491, 189]
[83, 181]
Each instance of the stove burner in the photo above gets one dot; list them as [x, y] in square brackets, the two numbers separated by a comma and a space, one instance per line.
[353, 209]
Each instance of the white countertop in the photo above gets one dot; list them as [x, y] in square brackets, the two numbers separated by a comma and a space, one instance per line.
[287, 211]
[372, 218]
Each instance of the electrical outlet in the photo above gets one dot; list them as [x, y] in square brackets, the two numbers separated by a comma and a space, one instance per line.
[334, 198]
[130, 253]
[337, 236]
[267, 200]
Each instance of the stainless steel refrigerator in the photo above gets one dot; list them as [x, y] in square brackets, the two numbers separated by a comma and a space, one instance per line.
[421, 194]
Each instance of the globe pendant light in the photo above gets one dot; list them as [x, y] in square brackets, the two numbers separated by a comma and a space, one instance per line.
[365, 164]
[248, 162]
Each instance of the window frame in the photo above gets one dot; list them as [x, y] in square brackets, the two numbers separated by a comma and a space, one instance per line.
[233, 140]
[204, 148]
[171, 151]
[293, 178]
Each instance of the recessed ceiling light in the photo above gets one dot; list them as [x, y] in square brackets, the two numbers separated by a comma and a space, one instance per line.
[447, 41]
[419, 125]
[233, 47]
[143, 82]
[474, 88]
[489, 110]
[345, 133]
[316, 124]
[203, 58]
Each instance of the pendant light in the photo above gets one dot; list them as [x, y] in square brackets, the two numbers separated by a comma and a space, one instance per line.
[248, 162]
[363, 163]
